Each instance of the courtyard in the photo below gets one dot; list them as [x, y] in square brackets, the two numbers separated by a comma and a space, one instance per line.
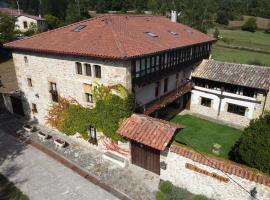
[201, 135]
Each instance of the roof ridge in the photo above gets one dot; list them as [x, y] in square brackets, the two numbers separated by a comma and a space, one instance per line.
[118, 43]
[245, 65]
[50, 31]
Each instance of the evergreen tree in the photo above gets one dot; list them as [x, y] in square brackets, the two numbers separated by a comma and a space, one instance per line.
[7, 25]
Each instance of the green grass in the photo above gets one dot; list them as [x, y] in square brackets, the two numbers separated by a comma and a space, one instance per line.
[8, 190]
[251, 47]
[258, 40]
[239, 56]
[201, 134]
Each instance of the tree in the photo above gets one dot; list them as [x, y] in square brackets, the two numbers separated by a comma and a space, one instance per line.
[53, 22]
[250, 25]
[7, 26]
[253, 146]
[222, 18]
[32, 30]
[216, 33]
[73, 13]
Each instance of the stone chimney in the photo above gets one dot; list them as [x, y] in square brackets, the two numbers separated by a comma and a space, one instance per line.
[174, 16]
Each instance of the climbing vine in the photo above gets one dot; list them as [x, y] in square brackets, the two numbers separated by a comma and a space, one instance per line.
[69, 117]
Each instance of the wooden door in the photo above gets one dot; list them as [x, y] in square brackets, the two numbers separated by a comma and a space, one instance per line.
[145, 157]
[17, 105]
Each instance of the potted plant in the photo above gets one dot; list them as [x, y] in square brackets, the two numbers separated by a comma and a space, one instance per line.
[59, 143]
[43, 136]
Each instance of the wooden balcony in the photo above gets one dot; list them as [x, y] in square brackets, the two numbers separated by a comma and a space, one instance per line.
[168, 98]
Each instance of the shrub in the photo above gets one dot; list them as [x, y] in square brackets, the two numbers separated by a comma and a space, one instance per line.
[256, 62]
[199, 197]
[267, 30]
[253, 146]
[179, 194]
[250, 25]
[160, 196]
[166, 187]
[216, 33]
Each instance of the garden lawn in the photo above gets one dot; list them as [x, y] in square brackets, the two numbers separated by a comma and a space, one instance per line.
[8, 190]
[258, 40]
[201, 134]
[239, 56]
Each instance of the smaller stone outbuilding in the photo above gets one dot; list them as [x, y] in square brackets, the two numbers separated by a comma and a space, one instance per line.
[234, 93]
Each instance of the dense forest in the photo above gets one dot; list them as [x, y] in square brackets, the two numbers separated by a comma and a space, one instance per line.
[197, 13]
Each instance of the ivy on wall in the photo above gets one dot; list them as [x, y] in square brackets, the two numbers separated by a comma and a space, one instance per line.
[70, 117]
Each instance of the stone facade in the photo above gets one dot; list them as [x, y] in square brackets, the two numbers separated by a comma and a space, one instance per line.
[43, 69]
[216, 179]
[254, 106]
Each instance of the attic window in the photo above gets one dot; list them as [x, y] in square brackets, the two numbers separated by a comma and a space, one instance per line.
[79, 28]
[151, 34]
[188, 30]
[173, 33]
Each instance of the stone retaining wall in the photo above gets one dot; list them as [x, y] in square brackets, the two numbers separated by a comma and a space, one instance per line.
[213, 178]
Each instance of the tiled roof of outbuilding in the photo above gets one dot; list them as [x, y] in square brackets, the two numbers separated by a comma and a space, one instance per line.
[114, 36]
[236, 74]
[152, 132]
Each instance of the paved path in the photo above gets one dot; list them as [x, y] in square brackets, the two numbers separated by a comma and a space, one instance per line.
[42, 178]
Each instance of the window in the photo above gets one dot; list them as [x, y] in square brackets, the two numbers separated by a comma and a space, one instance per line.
[25, 25]
[137, 68]
[143, 67]
[173, 33]
[79, 68]
[29, 82]
[148, 65]
[153, 35]
[239, 110]
[53, 91]
[206, 102]
[34, 108]
[89, 98]
[79, 28]
[165, 85]
[157, 89]
[25, 59]
[97, 71]
[88, 71]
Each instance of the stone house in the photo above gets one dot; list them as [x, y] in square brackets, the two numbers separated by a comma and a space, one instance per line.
[150, 56]
[233, 93]
[24, 20]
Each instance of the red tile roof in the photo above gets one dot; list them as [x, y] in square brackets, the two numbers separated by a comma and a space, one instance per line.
[152, 132]
[114, 36]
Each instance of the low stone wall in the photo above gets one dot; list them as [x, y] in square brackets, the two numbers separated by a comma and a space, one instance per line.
[213, 178]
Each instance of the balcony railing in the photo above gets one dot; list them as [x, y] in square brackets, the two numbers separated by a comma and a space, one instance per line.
[167, 99]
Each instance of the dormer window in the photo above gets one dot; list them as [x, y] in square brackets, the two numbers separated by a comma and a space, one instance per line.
[173, 33]
[79, 28]
[151, 34]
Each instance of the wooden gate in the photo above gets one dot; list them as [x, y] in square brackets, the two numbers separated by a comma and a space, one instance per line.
[145, 157]
[17, 105]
